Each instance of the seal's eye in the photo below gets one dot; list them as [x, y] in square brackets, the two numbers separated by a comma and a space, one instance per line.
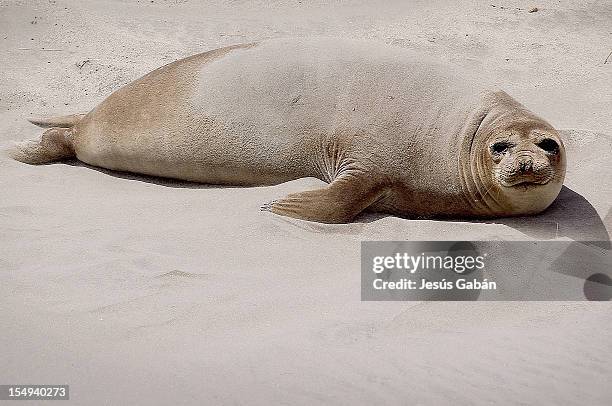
[549, 145]
[500, 147]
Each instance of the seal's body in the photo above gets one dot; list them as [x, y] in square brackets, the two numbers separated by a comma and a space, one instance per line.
[386, 128]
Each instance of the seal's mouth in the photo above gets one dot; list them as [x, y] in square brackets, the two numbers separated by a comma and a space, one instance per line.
[524, 175]
[523, 183]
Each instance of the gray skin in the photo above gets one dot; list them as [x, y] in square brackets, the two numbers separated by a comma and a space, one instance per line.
[388, 130]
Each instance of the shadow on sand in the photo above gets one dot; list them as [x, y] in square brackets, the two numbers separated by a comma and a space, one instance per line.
[571, 215]
[156, 180]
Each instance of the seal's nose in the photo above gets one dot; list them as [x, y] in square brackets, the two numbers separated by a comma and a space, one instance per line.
[525, 165]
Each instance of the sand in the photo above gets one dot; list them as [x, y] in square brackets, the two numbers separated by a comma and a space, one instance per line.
[136, 290]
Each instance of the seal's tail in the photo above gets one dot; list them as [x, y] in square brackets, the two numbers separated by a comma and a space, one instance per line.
[55, 143]
[58, 121]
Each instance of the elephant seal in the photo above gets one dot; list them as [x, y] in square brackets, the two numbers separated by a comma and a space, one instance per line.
[388, 129]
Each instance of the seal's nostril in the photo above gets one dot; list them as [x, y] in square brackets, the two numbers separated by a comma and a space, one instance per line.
[525, 166]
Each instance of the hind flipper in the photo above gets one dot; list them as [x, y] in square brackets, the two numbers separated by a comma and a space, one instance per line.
[59, 121]
[53, 145]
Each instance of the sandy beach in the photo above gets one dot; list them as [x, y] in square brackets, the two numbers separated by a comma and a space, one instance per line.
[139, 290]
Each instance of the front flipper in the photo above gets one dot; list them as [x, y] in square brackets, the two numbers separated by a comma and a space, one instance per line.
[339, 202]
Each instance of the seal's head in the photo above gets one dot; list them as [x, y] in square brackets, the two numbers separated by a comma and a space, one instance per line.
[527, 163]
[517, 161]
